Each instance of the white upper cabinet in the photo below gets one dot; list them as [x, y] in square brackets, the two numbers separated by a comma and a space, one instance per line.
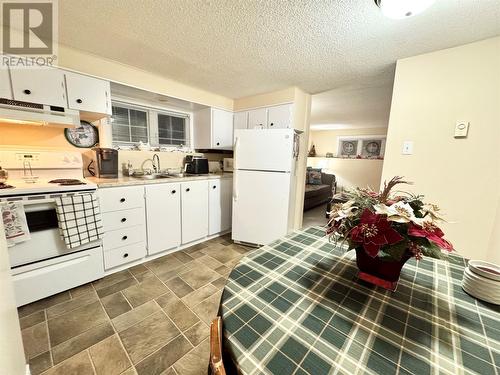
[240, 120]
[275, 117]
[194, 205]
[87, 93]
[257, 118]
[41, 86]
[213, 129]
[5, 89]
[279, 117]
[163, 213]
[222, 129]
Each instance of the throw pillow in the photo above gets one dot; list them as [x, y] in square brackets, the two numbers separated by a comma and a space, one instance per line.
[314, 176]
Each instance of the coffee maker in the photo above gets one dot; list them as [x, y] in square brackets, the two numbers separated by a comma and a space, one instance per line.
[106, 162]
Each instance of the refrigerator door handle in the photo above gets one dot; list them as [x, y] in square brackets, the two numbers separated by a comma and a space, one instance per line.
[235, 169]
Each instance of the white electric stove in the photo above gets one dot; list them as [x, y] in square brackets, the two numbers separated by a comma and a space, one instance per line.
[43, 265]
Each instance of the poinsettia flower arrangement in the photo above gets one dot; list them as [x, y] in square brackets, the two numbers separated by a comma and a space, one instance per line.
[387, 225]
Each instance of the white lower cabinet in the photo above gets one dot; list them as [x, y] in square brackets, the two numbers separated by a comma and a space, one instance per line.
[219, 205]
[194, 203]
[141, 221]
[124, 225]
[125, 254]
[163, 216]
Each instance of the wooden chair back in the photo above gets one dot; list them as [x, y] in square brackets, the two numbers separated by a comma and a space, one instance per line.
[216, 362]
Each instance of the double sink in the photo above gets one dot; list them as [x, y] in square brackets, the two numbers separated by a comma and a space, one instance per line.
[159, 176]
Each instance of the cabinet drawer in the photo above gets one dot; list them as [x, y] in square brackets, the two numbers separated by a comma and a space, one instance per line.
[39, 280]
[123, 237]
[121, 198]
[123, 255]
[122, 219]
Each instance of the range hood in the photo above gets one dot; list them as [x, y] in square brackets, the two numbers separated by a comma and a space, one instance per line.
[15, 112]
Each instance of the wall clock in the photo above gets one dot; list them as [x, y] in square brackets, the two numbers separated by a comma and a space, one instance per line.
[84, 136]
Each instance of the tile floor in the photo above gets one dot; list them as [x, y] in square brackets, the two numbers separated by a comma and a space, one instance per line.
[149, 319]
[315, 216]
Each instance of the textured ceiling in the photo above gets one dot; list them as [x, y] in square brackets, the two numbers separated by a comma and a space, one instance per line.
[244, 47]
[360, 105]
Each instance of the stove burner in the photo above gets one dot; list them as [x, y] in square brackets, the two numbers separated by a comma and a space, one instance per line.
[67, 182]
[5, 186]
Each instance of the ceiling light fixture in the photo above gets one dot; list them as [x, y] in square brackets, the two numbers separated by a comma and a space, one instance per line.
[398, 9]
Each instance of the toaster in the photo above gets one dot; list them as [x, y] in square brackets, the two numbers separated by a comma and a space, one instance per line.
[196, 165]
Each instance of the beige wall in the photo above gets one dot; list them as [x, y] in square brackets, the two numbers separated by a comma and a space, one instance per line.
[33, 136]
[432, 92]
[327, 140]
[85, 62]
[351, 173]
[262, 100]
[302, 113]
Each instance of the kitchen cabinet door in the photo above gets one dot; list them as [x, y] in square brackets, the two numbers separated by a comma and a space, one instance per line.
[279, 117]
[194, 203]
[219, 205]
[222, 129]
[257, 118]
[5, 89]
[39, 85]
[240, 120]
[87, 93]
[163, 217]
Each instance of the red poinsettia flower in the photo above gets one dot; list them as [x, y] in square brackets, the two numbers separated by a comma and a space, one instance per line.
[374, 231]
[432, 233]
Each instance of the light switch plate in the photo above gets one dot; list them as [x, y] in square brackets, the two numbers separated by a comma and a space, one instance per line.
[461, 129]
[407, 148]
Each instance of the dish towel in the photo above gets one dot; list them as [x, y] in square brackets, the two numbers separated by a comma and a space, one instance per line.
[79, 219]
[14, 222]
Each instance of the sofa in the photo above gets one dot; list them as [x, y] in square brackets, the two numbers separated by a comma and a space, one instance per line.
[319, 192]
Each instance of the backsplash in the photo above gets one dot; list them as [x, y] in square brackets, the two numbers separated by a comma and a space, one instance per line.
[34, 136]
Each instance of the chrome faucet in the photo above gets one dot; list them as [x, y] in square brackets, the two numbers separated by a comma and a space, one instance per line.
[156, 163]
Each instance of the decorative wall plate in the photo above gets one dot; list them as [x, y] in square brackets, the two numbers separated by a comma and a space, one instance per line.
[84, 136]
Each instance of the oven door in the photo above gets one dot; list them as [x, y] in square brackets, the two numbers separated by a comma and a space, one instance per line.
[46, 241]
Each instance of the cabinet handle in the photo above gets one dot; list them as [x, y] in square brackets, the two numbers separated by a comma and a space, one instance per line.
[122, 200]
[218, 143]
[124, 219]
[188, 189]
[27, 92]
[125, 255]
[272, 124]
[213, 187]
[173, 191]
[79, 101]
[124, 238]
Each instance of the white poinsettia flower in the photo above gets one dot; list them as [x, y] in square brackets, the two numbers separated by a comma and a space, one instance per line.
[433, 211]
[399, 212]
[342, 210]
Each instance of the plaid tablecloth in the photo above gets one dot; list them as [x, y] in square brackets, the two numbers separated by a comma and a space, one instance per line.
[297, 307]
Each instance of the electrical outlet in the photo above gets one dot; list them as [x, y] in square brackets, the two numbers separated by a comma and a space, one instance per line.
[407, 148]
[461, 129]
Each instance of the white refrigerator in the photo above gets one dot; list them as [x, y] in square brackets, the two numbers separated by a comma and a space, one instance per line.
[263, 184]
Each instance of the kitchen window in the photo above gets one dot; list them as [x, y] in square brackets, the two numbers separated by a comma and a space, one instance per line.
[133, 124]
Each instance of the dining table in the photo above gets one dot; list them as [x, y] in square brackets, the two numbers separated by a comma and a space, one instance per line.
[296, 306]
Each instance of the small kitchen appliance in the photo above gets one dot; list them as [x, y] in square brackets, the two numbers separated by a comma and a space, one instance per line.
[106, 162]
[196, 165]
[227, 164]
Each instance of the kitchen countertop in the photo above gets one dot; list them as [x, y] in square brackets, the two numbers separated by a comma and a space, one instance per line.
[131, 181]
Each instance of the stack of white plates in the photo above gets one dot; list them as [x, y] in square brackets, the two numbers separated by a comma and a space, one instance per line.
[482, 280]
